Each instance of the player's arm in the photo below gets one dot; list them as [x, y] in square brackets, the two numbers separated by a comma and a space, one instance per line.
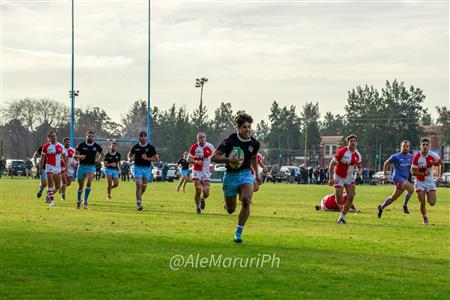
[440, 165]
[331, 172]
[64, 159]
[263, 166]
[386, 166]
[254, 165]
[119, 164]
[130, 155]
[102, 156]
[154, 158]
[415, 171]
[35, 157]
[191, 159]
[41, 163]
[220, 158]
[78, 155]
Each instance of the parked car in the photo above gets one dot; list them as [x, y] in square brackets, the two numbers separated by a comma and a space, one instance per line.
[15, 167]
[157, 172]
[379, 177]
[173, 173]
[445, 180]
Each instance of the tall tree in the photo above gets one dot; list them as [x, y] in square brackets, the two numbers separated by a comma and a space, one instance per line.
[310, 118]
[332, 124]
[444, 120]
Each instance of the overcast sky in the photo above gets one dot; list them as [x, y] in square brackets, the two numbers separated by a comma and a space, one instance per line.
[253, 52]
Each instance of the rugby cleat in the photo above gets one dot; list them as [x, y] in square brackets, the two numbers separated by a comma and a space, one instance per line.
[237, 238]
[341, 221]
[405, 209]
[380, 211]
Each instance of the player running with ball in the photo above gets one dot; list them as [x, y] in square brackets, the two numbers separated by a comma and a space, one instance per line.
[239, 151]
[341, 174]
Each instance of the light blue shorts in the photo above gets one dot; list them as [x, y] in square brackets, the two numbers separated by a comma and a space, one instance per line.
[184, 172]
[84, 170]
[112, 172]
[44, 174]
[143, 172]
[233, 181]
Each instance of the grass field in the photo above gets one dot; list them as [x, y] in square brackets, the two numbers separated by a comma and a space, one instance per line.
[113, 251]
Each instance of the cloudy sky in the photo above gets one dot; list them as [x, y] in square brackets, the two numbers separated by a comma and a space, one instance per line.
[253, 52]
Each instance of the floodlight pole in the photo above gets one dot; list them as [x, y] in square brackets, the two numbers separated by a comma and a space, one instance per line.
[72, 92]
[148, 83]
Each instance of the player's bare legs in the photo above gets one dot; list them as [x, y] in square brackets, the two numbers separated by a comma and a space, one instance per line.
[338, 194]
[197, 196]
[245, 195]
[431, 198]
[63, 185]
[422, 199]
[230, 204]
[205, 194]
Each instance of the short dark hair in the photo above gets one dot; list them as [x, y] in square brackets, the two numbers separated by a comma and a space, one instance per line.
[142, 133]
[50, 133]
[242, 118]
[405, 141]
[425, 140]
[66, 139]
[89, 132]
[351, 136]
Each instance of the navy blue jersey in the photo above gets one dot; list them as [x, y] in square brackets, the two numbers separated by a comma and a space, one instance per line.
[250, 148]
[90, 150]
[138, 150]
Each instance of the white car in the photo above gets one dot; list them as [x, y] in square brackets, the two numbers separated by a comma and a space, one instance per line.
[379, 177]
[445, 179]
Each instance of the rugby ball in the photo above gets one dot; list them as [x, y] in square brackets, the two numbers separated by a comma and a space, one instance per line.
[238, 153]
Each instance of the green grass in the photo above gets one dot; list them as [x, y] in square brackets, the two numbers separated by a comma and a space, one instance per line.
[113, 251]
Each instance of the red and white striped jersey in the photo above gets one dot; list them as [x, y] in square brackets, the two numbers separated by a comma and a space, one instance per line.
[346, 161]
[259, 159]
[202, 153]
[68, 153]
[53, 153]
[424, 163]
[329, 201]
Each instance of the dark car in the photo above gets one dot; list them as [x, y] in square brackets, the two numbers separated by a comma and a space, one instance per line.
[15, 167]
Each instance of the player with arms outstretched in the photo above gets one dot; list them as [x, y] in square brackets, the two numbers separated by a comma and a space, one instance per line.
[238, 179]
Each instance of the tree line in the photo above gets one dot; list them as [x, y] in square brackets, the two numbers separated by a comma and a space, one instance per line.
[380, 118]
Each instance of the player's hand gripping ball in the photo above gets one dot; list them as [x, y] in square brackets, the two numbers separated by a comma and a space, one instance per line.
[237, 158]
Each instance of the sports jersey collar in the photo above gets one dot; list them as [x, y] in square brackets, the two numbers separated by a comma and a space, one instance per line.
[241, 139]
[92, 144]
[112, 152]
[143, 145]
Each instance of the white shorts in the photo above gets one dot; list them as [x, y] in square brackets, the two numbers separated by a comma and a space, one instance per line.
[70, 172]
[341, 182]
[201, 176]
[425, 186]
[49, 169]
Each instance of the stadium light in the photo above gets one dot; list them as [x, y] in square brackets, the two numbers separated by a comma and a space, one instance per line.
[199, 84]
